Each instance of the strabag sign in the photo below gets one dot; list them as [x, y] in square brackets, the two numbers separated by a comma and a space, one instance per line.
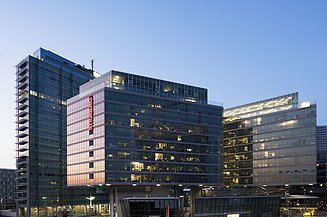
[90, 113]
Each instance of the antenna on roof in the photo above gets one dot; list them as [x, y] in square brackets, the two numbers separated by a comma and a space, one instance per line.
[92, 64]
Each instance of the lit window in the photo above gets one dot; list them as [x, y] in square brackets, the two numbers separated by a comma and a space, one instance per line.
[137, 166]
[135, 178]
[122, 154]
[158, 156]
[132, 124]
[161, 145]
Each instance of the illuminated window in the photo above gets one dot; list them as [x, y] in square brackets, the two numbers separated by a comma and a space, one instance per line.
[137, 166]
[158, 156]
[235, 181]
[122, 154]
[132, 124]
[110, 155]
[32, 92]
[154, 106]
[167, 88]
[179, 138]
[190, 159]
[266, 154]
[135, 178]
[172, 158]
[161, 145]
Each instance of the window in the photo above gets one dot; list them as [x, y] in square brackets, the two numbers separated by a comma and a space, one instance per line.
[91, 165]
[91, 176]
[91, 154]
[91, 143]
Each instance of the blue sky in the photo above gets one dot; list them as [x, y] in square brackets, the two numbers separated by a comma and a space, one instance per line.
[242, 51]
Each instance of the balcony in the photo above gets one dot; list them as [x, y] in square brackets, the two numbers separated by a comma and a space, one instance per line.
[22, 149]
[22, 135]
[21, 71]
[21, 159]
[22, 78]
[21, 196]
[21, 179]
[21, 121]
[21, 86]
[21, 203]
[22, 64]
[22, 93]
[22, 165]
[22, 168]
[22, 128]
[21, 107]
[21, 114]
[22, 142]
[22, 99]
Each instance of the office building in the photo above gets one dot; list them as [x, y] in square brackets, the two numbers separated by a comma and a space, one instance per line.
[44, 82]
[7, 189]
[321, 154]
[134, 131]
[238, 206]
[270, 143]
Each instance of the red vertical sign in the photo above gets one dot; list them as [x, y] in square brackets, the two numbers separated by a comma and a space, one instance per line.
[167, 211]
[90, 113]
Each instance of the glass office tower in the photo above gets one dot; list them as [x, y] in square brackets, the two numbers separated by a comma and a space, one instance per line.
[321, 154]
[44, 82]
[270, 143]
[126, 129]
[7, 189]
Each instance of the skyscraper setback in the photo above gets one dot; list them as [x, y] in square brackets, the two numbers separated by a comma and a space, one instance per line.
[44, 81]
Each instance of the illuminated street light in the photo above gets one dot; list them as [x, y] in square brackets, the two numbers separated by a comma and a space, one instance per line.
[90, 199]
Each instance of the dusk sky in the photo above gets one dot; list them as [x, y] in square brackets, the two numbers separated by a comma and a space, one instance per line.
[241, 51]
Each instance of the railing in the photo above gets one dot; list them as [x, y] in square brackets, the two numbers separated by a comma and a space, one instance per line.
[215, 103]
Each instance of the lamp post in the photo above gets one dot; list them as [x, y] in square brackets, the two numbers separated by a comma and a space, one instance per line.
[91, 198]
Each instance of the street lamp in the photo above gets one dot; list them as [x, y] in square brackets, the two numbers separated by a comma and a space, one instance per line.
[90, 199]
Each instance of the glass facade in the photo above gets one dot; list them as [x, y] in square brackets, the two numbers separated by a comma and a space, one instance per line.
[271, 142]
[299, 205]
[140, 137]
[44, 82]
[7, 189]
[241, 206]
[146, 85]
[321, 154]
[140, 207]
